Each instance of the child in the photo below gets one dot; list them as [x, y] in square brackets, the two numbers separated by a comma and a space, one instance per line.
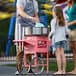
[58, 33]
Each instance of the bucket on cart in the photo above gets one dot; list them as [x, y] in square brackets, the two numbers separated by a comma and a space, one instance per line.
[36, 31]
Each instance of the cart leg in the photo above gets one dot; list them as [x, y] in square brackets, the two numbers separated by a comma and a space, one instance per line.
[27, 61]
[30, 69]
[47, 62]
[36, 62]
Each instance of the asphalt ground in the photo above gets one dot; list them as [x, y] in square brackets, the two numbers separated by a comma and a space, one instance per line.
[10, 71]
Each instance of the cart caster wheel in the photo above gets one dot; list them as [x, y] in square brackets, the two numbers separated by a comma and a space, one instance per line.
[39, 68]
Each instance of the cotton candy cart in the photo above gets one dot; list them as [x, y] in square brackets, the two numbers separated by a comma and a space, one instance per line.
[36, 45]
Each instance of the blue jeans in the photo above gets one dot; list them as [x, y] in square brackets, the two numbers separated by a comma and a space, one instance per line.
[60, 44]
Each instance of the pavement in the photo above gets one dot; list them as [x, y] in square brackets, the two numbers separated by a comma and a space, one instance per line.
[10, 71]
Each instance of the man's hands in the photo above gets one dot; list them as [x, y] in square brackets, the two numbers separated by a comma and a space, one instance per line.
[34, 19]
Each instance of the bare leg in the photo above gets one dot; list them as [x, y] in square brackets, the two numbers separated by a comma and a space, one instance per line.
[73, 45]
[74, 54]
[63, 61]
[58, 58]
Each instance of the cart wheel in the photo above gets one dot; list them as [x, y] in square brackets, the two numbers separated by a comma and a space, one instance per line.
[39, 65]
[27, 66]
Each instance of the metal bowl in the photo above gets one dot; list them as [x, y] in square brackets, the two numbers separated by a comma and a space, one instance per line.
[35, 31]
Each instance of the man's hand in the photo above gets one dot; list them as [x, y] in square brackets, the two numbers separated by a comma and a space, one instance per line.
[71, 23]
[35, 19]
[67, 23]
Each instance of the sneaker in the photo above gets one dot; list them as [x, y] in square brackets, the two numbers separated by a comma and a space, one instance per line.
[17, 73]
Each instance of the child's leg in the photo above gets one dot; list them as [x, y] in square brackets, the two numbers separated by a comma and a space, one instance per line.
[58, 58]
[63, 58]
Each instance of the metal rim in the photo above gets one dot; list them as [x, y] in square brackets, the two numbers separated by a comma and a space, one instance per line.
[41, 67]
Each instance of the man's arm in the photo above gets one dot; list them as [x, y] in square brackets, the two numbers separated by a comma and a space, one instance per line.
[71, 23]
[25, 15]
[36, 10]
[20, 10]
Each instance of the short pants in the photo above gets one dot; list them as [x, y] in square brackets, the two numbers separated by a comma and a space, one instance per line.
[60, 44]
[72, 35]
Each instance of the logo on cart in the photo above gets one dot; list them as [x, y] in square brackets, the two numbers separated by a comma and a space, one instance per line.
[42, 44]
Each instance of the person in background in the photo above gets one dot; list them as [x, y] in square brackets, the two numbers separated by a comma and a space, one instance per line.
[27, 16]
[71, 23]
[58, 33]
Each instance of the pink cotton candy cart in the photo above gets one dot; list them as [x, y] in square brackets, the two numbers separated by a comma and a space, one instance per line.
[36, 57]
